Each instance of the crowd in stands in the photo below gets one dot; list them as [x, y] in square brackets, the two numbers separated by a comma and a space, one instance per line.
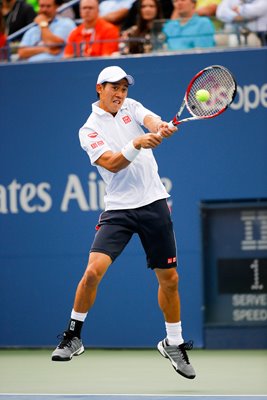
[115, 11]
[107, 27]
[46, 40]
[17, 14]
[147, 12]
[94, 36]
[3, 38]
[250, 16]
[186, 29]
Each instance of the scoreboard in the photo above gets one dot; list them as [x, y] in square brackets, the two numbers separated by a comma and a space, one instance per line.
[235, 269]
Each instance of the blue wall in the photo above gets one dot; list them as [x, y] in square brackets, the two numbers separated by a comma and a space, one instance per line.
[45, 238]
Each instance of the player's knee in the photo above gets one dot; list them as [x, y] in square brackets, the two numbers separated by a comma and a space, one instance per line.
[91, 277]
[170, 282]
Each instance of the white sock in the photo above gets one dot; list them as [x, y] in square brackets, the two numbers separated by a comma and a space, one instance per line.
[78, 316]
[174, 333]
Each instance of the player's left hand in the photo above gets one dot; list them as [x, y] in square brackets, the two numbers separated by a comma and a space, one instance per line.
[165, 130]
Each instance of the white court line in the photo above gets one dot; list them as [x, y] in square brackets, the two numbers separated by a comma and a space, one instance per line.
[246, 396]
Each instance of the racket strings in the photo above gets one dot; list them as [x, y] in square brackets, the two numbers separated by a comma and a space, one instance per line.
[221, 87]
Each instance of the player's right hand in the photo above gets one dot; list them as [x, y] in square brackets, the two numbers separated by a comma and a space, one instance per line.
[147, 141]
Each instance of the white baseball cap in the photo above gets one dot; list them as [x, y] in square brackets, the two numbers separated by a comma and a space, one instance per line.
[114, 74]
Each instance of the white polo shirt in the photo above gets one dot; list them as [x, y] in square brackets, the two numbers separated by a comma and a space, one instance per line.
[136, 185]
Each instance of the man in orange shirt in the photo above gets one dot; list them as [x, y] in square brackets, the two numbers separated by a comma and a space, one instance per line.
[94, 37]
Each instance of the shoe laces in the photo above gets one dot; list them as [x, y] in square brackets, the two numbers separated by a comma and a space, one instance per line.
[186, 346]
[65, 340]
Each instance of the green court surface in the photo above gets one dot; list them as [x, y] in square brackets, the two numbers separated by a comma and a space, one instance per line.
[133, 372]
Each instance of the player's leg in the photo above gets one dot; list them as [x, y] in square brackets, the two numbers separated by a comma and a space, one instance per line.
[168, 296]
[87, 288]
[71, 344]
[173, 346]
[158, 240]
[110, 240]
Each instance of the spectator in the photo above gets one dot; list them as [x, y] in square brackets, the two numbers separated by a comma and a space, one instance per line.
[94, 37]
[148, 12]
[186, 29]
[17, 14]
[207, 8]
[46, 40]
[131, 19]
[3, 41]
[115, 11]
[251, 14]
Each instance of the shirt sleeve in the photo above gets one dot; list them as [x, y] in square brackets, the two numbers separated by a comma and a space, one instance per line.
[63, 28]
[30, 37]
[224, 11]
[139, 111]
[253, 10]
[93, 143]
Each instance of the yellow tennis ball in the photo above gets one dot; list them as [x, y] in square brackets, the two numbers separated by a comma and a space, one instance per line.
[202, 95]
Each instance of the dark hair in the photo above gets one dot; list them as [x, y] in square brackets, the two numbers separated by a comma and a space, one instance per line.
[104, 84]
[140, 22]
[2, 21]
[142, 30]
[59, 2]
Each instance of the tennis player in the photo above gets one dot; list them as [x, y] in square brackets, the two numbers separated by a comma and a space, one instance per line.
[135, 202]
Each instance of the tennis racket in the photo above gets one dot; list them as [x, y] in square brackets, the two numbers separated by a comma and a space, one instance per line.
[220, 84]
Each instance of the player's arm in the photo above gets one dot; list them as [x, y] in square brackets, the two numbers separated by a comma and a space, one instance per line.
[115, 162]
[155, 124]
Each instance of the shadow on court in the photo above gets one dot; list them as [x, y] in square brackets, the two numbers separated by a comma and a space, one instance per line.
[130, 374]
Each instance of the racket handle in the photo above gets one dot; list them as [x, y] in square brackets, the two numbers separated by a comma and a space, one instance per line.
[174, 122]
[171, 124]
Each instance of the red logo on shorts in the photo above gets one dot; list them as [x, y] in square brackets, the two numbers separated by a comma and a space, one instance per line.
[126, 119]
[171, 260]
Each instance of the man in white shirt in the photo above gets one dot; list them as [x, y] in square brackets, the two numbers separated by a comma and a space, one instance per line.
[135, 202]
[250, 13]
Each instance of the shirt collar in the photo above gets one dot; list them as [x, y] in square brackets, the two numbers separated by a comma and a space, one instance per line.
[88, 31]
[55, 19]
[96, 109]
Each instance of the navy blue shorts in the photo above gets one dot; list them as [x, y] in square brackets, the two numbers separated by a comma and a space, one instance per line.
[152, 223]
